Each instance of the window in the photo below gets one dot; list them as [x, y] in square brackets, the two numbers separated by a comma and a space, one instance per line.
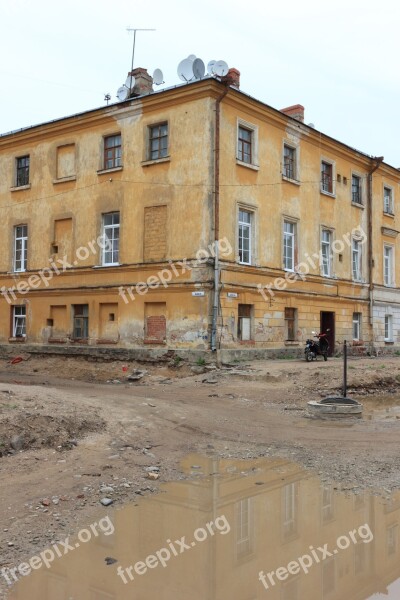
[391, 539]
[388, 201]
[20, 247]
[356, 251]
[327, 504]
[245, 237]
[290, 496]
[245, 144]
[289, 245]
[289, 162]
[388, 328]
[111, 238]
[356, 189]
[81, 321]
[290, 324]
[244, 321]
[22, 168]
[18, 321]
[326, 255]
[112, 151]
[244, 527]
[356, 326]
[388, 265]
[327, 177]
[158, 141]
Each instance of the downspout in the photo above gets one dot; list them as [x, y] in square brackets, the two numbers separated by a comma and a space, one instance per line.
[216, 218]
[378, 161]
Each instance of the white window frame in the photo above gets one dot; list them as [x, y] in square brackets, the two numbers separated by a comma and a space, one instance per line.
[19, 320]
[114, 238]
[333, 165]
[388, 328]
[388, 265]
[388, 208]
[357, 324]
[356, 246]
[20, 265]
[249, 227]
[292, 235]
[254, 144]
[326, 272]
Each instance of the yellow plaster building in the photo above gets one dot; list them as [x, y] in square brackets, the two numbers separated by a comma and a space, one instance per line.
[195, 217]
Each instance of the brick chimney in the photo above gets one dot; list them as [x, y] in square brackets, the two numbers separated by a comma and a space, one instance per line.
[232, 78]
[143, 82]
[296, 112]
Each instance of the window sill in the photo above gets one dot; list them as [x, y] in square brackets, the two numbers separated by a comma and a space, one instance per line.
[17, 340]
[155, 161]
[248, 165]
[290, 180]
[106, 266]
[79, 341]
[358, 205]
[106, 341]
[390, 286]
[113, 170]
[64, 179]
[330, 194]
[57, 341]
[291, 343]
[155, 342]
[387, 214]
[389, 342]
[20, 188]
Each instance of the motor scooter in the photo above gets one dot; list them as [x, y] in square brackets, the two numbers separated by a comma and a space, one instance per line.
[317, 348]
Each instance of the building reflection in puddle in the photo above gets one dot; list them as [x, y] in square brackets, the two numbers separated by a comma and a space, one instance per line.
[276, 513]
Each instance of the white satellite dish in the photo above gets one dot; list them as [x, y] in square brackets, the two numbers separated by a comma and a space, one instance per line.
[130, 82]
[192, 57]
[122, 93]
[198, 68]
[210, 67]
[185, 70]
[221, 68]
[158, 77]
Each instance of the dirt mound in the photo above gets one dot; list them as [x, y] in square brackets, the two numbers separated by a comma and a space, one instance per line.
[33, 431]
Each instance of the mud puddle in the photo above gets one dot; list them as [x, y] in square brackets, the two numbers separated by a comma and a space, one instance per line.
[232, 530]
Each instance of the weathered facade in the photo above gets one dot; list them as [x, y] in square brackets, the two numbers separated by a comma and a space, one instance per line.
[196, 217]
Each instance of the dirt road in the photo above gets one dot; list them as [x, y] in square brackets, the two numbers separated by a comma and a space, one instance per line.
[69, 439]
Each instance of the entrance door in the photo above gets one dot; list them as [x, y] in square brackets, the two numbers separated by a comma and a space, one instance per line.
[328, 322]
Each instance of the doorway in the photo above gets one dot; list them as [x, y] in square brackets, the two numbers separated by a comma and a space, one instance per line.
[328, 322]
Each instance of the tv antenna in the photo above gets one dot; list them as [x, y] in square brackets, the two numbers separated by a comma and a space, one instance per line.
[129, 29]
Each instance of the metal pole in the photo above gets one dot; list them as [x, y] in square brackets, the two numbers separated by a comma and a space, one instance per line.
[345, 369]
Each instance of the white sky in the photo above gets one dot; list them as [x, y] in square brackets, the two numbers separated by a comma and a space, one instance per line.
[339, 59]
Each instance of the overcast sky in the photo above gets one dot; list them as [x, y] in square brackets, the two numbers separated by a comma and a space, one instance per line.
[339, 59]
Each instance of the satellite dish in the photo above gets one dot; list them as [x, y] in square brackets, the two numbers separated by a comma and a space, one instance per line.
[130, 82]
[158, 77]
[122, 93]
[210, 67]
[198, 68]
[192, 57]
[185, 70]
[221, 68]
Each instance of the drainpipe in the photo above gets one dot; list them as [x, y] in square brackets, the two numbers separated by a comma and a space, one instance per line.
[216, 218]
[378, 161]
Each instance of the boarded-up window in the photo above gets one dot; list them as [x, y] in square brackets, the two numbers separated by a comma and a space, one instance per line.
[109, 321]
[290, 319]
[66, 161]
[62, 244]
[155, 233]
[155, 322]
[60, 321]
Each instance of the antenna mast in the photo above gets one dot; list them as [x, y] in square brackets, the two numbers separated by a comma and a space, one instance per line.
[129, 29]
